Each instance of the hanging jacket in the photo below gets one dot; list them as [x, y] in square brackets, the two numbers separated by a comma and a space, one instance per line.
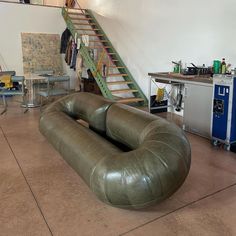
[64, 40]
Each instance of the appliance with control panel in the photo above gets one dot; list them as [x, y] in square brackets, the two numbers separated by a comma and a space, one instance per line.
[223, 126]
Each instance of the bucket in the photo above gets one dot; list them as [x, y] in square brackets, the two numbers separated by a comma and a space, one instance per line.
[216, 67]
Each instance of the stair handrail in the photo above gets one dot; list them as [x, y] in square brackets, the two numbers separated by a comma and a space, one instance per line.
[80, 8]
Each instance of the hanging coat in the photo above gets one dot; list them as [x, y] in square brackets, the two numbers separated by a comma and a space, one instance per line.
[64, 40]
[68, 54]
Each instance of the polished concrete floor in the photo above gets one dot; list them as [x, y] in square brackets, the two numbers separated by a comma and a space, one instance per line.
[41, 195]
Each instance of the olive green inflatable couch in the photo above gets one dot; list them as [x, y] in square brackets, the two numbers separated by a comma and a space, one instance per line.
[128, 157]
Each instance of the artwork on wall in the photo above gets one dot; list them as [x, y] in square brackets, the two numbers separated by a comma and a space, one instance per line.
[41, 52]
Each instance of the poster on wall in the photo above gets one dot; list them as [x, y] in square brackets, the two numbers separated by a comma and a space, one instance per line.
[41, 52]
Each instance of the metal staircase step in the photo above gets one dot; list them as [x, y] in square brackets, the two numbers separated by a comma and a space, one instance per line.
[129, 100]
[117, 75]
[124, 91]
[119, 82]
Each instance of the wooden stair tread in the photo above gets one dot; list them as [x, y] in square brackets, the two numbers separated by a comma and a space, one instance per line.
[95, 35]
[98, 41]
[83, 19]
[129, 100]
[78, 23]
[117, 75]
[87, 29]
[119, 82]
[73, 9]
[117, 67]
[96, 47]
[124, 91]
[77, 14]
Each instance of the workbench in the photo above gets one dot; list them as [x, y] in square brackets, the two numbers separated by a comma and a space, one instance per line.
[197, 99]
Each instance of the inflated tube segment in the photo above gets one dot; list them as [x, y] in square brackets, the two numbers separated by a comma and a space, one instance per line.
[152, 169]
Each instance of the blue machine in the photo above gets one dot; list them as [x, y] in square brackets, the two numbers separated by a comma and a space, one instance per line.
[224, 110]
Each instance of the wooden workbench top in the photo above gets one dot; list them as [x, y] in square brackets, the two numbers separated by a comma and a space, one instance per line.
[182, 78]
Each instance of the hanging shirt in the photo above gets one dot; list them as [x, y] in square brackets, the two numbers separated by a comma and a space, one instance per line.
[85, 40]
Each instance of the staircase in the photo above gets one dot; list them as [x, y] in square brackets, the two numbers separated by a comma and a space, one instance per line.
[117, 83]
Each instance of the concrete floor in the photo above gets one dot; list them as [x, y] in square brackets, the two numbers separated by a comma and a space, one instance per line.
[41, 195]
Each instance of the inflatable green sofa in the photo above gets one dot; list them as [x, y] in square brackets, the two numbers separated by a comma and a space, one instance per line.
[128, 157]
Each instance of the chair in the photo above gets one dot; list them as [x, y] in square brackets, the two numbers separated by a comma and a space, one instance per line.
[38, 85]
[18, 90]
[56, 86]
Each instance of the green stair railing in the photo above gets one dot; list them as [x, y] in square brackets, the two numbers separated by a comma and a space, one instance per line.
[87, 58]
[110, 50]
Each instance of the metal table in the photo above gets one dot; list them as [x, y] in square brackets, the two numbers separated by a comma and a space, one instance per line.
[197, 100]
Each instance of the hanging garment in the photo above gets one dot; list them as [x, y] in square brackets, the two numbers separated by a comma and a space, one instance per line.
[79, 63]
[70, 3]
[79, 68]
[65, 37]
[78, 43]
[85, 40]
[68, 52]
[74, 54]
[104, 70]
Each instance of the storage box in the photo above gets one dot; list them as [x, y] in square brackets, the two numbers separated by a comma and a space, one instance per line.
[157, 107]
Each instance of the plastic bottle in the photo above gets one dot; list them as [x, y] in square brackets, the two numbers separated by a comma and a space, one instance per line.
[223, 66]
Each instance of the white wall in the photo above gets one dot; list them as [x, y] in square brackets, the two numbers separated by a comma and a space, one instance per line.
[58, 3]
[17, 18]
[150, 34]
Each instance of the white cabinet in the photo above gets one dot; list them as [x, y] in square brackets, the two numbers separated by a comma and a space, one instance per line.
[197, 109]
